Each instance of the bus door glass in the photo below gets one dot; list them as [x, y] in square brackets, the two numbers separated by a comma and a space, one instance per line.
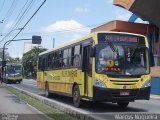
[41, 68]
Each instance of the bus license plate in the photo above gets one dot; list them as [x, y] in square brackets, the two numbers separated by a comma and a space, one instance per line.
[124, 93]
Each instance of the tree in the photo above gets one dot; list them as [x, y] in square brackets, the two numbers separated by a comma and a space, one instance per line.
[29, 62]
[6, 55]
[8, 58]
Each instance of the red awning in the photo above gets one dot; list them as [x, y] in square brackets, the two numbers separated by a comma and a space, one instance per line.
[123, 26]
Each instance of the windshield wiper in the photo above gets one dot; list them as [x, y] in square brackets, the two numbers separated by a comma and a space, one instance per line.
[136, 48]
[113, 48]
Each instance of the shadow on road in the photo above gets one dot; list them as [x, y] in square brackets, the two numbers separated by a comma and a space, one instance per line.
[97, 107]
[94, 107]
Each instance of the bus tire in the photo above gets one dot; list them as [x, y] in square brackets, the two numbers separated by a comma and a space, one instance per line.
[47, 93]
[19, 82]
[123, 104]
[7, 81]
[77, 102]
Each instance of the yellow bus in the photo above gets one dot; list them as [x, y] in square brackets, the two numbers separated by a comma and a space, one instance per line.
[102, 66]
[12, 73]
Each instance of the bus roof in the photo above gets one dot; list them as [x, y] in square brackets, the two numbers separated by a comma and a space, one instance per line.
[84, 38]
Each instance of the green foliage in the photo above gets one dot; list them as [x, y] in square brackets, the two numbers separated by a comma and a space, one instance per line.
[16, 60]
[29, 62]
[6, 54]
[8, 58]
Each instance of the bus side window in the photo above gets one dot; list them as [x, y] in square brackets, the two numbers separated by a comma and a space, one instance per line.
[57, 59]
[49, 62]
[40, 64]
[53, 60]
[60, 58]
[69, 57]
[72, 56]
[65, 56]
[43, 64]
[76, 58]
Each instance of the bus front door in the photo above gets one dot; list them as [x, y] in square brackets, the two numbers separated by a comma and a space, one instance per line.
[43, 73]
[86, 68]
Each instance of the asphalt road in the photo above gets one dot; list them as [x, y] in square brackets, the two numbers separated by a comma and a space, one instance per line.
[12, 107]
[102, 110]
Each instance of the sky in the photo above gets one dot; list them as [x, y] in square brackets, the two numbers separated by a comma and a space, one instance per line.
[61, 20]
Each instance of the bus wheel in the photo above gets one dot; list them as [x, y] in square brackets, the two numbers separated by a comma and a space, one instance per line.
[7, 81]
[122, 104]
[47, 93]
[19, 82]
[76, 97]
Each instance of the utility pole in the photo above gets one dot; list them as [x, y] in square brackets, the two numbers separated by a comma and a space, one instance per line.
[53, 42]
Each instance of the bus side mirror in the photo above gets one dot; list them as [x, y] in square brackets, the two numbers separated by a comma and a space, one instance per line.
[92, 52]
[151, 60]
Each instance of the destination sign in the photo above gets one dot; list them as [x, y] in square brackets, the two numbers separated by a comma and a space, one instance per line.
[117, 38]
[120, 38]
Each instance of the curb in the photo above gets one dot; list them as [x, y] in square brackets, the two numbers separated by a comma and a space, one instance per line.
[81, 114]
[155, 97]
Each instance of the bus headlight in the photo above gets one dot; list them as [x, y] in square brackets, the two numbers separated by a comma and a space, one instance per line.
[7, 76]
[99, 83]
[146, 84]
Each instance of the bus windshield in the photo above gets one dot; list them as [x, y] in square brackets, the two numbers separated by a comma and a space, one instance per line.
[119, 59]
[13, 69]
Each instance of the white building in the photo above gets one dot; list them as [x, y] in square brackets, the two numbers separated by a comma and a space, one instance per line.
[28, 46]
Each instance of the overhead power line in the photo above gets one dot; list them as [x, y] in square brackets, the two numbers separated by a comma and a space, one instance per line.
[9, 14]
[79, 28]
[20, 16]
[10, 10]
[26, 22]
[1, 7]
[68, 30]
[29, 19]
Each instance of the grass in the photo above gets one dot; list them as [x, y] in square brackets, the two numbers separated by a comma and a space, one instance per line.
[44, 108]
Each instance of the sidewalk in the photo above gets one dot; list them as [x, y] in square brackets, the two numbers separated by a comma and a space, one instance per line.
[11, 106]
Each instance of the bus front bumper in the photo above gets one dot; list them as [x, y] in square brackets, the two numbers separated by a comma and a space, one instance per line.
[114, 95]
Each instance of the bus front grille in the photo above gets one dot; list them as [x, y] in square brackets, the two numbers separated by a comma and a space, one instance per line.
[124, 82]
